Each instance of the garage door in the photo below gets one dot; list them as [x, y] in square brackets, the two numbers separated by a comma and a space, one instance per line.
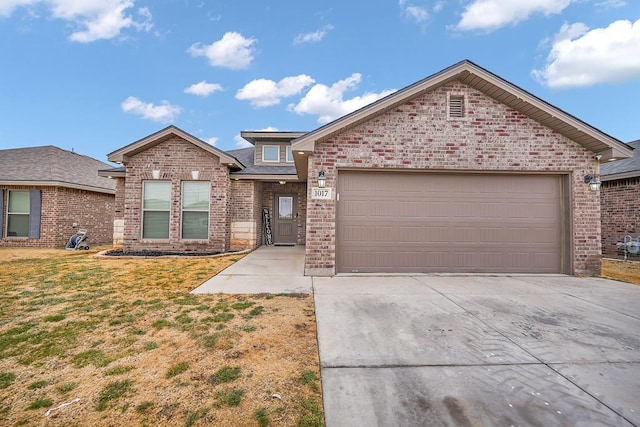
[391, 222]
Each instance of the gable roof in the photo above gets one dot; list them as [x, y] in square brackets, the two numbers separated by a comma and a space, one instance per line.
[490, 84]
[53, 166]
[275, 172]
[122, 155]
[627, 168]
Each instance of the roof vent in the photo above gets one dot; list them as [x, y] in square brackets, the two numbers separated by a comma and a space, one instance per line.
[456, 106]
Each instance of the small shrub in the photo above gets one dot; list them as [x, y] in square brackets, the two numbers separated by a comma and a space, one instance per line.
[161, 323]
[66, 387]
[55, 318]
[230, 398]
[312, 415]
[241, 305]
[144, 407]
[119, 370]
[93, 357]
[40, 403]
[6, 379]
[113, 391]
[177, 369]
[310, 378]
[37, 384]
[225, 374]
[261, 417]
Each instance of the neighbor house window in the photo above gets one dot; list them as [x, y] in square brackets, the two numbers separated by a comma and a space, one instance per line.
[18, 214]
[156, 207]
[289, 154]
[270, 153]
[195, 210]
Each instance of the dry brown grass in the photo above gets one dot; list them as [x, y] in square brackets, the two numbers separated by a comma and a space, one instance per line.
[626, 271]
[119, 333]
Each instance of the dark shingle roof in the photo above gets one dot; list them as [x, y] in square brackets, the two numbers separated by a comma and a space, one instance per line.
[623, 166]
[53, 165]
[246, 157]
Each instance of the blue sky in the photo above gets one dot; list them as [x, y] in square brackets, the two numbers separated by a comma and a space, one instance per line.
[95, 75]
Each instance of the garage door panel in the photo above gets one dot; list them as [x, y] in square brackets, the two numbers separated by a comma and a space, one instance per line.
[425, 222]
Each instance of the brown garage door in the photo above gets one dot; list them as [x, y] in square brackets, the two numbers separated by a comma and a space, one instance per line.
[433, 222]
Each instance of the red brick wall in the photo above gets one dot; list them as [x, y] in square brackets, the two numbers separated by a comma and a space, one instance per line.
[245, 213]
[620, 212]
[61, 208]
[176, 159]
[491, 137]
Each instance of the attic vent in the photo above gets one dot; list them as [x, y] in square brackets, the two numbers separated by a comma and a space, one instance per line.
[456, 106]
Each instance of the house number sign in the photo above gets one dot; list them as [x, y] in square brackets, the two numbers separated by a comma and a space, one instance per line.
[321, 193]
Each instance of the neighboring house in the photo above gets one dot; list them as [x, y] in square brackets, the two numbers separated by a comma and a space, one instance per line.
[44, 191]
[620, 197]
[459, 172]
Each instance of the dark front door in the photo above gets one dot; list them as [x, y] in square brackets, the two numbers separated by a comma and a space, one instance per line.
[285, 224]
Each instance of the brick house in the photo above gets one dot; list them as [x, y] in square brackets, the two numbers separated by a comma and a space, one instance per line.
[620, 200]
[459, 172]
[45, 190]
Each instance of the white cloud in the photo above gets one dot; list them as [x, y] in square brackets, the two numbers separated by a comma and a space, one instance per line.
[583, 57]
[232, 51]
[316, 36]
[611, 3]
[93, 19]
[213, 140]
[265, 93]
[163, 113]
[203, 88]
[418, 13]
[241, 142]
[8, 6]
[329, 103]
[492, 14]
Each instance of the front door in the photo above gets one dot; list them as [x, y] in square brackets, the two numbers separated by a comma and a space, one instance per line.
[285, 220]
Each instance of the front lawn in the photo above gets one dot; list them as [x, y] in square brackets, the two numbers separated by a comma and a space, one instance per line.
[122, 342]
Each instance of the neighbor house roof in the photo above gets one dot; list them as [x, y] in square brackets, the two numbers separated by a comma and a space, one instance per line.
[620, 169]
[122, 155]
[53, 166]
[490, 84]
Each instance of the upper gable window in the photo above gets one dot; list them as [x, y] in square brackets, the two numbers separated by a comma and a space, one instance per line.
[271, 153]
[289, 154]
[455, 106]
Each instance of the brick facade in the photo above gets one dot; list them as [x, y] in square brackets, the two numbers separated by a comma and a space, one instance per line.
[490, 137]
[246, 214]
[620, 201]
[176, 159]
[61, 208]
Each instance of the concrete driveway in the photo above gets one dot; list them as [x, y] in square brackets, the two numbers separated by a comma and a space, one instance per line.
[479, 351]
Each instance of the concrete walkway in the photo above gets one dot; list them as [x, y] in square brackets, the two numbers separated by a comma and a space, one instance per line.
[268, 269]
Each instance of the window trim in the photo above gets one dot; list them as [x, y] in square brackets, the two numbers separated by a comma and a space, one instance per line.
[143, 210]
[277, 147]
[27, 214]
[289, 154]
[183, 210]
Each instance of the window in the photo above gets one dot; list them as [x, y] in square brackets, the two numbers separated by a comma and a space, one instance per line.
[195, 210]
[18, 214]
[285, 207]
[270, 153]
[289, 154]
[455, 106]
[156, 205]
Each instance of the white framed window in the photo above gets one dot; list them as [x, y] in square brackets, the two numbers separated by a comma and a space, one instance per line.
[156, 209]
[195, 209]
[18, 210]
[271, 153]
[289, 154]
